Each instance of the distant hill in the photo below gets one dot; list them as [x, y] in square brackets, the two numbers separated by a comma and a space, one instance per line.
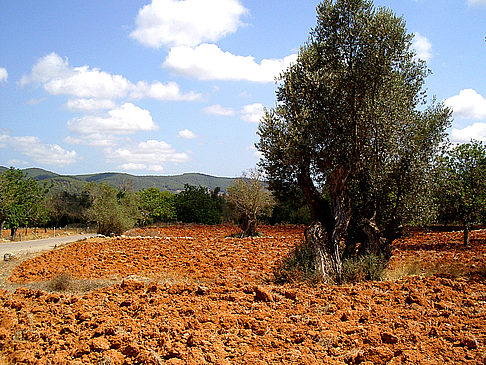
[174, 183]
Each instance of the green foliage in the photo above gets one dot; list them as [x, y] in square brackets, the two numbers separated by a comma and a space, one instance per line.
[461, 193]
[156, 206]
[248, 199]
[113, 211]
[66, 208]
[21, 200]
[298, 265]
[195, 204]
[352, 119]
[290, 207]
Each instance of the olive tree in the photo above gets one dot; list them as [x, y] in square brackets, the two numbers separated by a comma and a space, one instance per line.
[461, 193]
[113, 211]
[350, 119]
[249, 199]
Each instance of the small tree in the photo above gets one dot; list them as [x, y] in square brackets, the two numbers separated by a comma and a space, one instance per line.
[156, 206]
[462, 186]
[114, 211]
[22, 200]
[248, 199]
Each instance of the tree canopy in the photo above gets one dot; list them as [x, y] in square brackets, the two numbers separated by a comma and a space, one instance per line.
[352, 127]
[156, 206]
[21, 200]
[113, 210]
[461, 193]
[196, 204]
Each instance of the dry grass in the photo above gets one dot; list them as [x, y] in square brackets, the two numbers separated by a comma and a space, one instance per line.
[416, 267]
[65, 283]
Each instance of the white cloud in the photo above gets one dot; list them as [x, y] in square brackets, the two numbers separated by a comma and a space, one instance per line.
[475, 131]
[476, 2]
[3, 74]
[186, 134]
[422, 47]
[88, 105]
[38, 152]
[160, 91]
[125, 119]
[58, 78]
[134, 166]
[209, 62]
[468, 104]
[252, 113]
[149, 155]
[219, 110]
[186, 22]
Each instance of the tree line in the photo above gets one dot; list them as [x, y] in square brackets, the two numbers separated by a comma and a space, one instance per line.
[454, 193]
[24, 202]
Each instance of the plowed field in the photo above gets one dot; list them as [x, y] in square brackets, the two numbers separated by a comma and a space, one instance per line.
[191, 295]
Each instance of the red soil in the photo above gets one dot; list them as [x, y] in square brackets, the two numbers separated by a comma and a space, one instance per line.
[199, 297]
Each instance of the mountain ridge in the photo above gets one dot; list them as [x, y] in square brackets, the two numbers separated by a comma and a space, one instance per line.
[172, 183]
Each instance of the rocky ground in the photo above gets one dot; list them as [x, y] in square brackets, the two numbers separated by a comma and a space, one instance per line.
[191, 295]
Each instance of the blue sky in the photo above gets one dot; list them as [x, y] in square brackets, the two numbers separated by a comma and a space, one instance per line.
[162, 87]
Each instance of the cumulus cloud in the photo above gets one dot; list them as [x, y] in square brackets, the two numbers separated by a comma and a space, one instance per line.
[219, 110]
[422, 47]
[89, 105]
[38, 152]
[58, 78]
[186, 22]
[186, 134]
[468, 104]
[125, 119]
[252, 113]
[149, 155]
[475, 131]
[209, 62]
[160, 91]
[3, 74]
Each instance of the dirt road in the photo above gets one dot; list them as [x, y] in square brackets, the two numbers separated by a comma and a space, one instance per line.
[16, 248]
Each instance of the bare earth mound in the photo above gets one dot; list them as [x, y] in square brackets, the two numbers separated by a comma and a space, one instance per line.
[189, 294]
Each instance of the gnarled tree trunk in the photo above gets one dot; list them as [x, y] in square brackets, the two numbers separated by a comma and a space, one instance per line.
[248, 226]
[330, 222]
[376, 243]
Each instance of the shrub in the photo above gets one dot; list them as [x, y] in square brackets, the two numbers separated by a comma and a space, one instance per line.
[298, 265]
[62, 283]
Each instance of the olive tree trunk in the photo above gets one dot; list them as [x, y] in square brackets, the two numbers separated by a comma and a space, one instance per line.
[248, 226]
[330, 223]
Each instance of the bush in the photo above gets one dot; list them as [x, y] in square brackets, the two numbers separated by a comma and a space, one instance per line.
[298, 265]
[113, 211]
